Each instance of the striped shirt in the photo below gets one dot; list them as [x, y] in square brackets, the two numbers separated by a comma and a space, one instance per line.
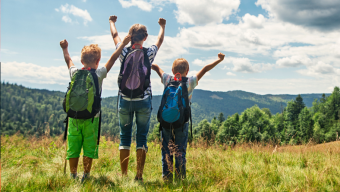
[152, 51]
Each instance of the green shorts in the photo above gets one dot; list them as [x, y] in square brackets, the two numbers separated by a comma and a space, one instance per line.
[82, 133]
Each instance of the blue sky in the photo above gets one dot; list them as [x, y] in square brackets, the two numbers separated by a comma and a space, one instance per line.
[271, 46]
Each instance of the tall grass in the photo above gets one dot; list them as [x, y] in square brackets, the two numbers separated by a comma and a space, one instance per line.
[30, 164]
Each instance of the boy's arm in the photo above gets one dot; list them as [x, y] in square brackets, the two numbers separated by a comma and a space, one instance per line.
[210, 66]
[156, 68]
[114, 33]
[117, 52]
[67, 57]
[160, 38]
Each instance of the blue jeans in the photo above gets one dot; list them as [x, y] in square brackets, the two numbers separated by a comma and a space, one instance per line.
[174, 143]
[127, 110]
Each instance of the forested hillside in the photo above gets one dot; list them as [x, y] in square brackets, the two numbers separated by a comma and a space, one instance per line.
[298, 124]
[38, 112]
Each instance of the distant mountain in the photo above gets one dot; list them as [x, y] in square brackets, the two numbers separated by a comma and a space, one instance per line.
[207, 104]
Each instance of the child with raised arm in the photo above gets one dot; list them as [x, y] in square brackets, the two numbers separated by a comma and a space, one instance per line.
[83, 133]
[178, 135]
[135, 91]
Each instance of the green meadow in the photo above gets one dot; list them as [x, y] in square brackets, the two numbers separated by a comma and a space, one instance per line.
[37, 164]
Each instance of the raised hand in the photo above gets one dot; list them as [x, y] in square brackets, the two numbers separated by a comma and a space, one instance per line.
[63, 44]
[221, 56]
[113, 18]
[162, 22]
[126, 40]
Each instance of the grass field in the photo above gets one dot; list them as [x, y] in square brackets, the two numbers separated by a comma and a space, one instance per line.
[30, 164]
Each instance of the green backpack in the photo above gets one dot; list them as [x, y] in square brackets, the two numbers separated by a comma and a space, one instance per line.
[83, 98]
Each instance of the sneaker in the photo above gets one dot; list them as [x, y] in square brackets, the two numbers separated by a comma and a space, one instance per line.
[85, 177]
[138, 179]
[73, 176]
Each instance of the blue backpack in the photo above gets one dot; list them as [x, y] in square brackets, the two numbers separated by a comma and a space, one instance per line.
[175, 110]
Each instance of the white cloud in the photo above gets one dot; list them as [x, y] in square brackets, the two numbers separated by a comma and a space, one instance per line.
[194, 72]
[191, 11]
[66, 19]
[251, 21]
[271, 85]
[76, 59]
[231, 74]
[143, 5]
[75, 11]
[200, 62]
[12, 71]
[205, 11]
[320, 69]
[166, 53]
[245, 65]
[241, 64]
[293, 61]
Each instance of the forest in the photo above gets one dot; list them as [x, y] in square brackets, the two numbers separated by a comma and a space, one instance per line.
[39, 112]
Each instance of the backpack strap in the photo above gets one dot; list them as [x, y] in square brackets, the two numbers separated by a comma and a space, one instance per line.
[190, 120]
[147, 64]
[100, 123]
[186, 100]
[65, 132]
[96, 82]
[98, 94]
[129, 49]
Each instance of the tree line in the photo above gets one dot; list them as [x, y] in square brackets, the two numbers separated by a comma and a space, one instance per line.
[39, 112]
[296, 124]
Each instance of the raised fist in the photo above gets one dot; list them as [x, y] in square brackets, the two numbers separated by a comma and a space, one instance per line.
[162, 22]
[221, 56]
[113, 18]
[63, 44]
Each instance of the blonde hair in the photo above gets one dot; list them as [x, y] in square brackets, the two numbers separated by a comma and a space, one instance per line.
[138, 32]
[180, 65]
[90, 53]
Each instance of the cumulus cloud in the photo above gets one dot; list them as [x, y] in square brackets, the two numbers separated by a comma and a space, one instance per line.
[66, 19]
[12, 71]
[293, 61]
[271, 85]
[322, 15]
[143, 5]
[320, 69]
[191, 11]
[245, 65]
[200, 62]
[230, 74]
[166, 54]
[251, 21]
[241, 64]
[205, 11]
[194, 72]
[75, 11]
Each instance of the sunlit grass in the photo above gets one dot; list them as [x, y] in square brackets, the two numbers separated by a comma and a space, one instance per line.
[30, 164]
